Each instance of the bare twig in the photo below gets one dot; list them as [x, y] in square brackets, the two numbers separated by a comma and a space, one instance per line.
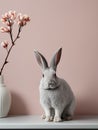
[13, 43]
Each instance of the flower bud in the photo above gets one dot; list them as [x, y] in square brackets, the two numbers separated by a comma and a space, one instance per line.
[4, 44]
[26, 18]
[5, 29]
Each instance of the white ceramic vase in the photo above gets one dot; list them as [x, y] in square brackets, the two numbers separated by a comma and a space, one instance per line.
[5, 98]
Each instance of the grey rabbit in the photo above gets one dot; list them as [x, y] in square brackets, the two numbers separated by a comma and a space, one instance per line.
[56, 96]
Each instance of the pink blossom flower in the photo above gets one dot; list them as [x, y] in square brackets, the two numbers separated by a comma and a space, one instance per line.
[26, 18]
[22, 23]
[8, 18]
[12, 14]
[22, 20]
[5, 17]
[4, 44]
[5, 29]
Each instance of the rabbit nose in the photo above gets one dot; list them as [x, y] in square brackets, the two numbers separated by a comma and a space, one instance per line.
[52, 83]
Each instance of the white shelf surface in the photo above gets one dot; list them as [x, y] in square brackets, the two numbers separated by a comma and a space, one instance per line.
[35, 122]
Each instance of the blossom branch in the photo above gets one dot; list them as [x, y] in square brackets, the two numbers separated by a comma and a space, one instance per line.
[13, 43]
[19, 30]
[9, 19]
[5, 61]
[11, 35]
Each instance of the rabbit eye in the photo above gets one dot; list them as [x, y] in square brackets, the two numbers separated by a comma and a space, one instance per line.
[43, 75]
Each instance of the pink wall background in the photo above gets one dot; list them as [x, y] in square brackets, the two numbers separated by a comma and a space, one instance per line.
[70, 24]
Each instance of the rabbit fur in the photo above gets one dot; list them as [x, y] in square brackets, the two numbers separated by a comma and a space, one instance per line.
[56, 96]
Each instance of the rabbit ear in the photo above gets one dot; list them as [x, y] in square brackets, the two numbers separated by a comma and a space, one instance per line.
[41, 60]
[56, 58]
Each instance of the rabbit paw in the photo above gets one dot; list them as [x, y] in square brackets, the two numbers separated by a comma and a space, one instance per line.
[48, 118]
[68, 118]
[57, 119]
[43, 116]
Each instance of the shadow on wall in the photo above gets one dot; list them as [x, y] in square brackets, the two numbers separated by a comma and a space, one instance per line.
[84, 107]
[21, 109]
[80, 105]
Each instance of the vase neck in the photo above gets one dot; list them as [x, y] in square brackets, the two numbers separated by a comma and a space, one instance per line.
[1, 79]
